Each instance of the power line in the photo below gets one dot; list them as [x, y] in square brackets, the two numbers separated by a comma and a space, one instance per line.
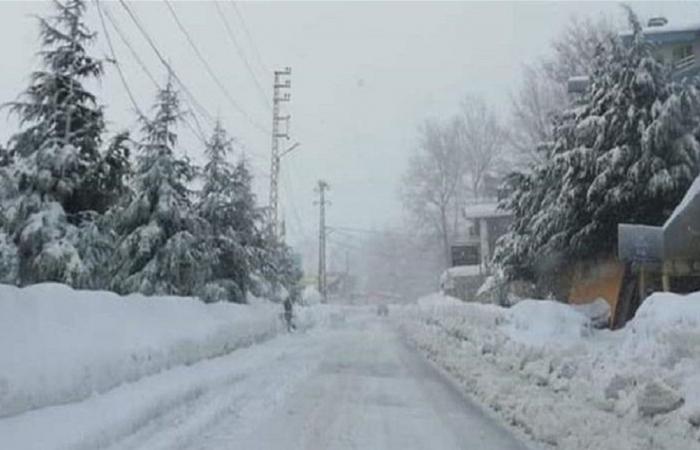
[232, 36]
[198, 132]
[128, 45]
[256, 53]
[210, 71]
[153, 46]
[116, 62]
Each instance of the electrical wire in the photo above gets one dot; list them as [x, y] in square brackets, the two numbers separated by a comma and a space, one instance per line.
[128, 45]
[113, 55]
[211, 73]
[153, 46]
[104, 12]
[256, 53]
[233, 39]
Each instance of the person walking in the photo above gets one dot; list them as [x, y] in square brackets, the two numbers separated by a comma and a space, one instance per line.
[288, 314]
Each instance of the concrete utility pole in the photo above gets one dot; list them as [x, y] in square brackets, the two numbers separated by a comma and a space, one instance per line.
[277, 98]
[321, 189]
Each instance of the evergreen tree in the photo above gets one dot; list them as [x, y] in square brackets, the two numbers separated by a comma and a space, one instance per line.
[626, 153]
[161, 250]
[50, 158]
[278, 272]
[63, 122]
[228, 206]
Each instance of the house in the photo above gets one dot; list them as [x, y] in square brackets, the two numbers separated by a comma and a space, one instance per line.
[649, 259]
[665, 258]
[677, 46]
[472, 252]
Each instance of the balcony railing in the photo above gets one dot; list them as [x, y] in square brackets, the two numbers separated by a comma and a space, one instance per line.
[684, 63]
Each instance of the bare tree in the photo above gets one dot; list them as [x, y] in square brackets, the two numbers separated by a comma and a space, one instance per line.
[575, 48]
[400, 262]
[542, 94]
[533, 110]
[481, 142]
[431, 186]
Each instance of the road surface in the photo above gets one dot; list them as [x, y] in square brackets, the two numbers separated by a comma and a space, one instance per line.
[356, 386]
[350, 384]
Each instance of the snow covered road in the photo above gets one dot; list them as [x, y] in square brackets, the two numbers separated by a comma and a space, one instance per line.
[368, 391]
[361, 388]
[351, 385]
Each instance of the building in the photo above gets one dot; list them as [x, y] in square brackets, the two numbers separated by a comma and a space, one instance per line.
[472, 252]
[649, 258]
[677, 46]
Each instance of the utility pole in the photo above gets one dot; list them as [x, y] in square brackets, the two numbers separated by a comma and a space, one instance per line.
[281, 82]
[321, 189]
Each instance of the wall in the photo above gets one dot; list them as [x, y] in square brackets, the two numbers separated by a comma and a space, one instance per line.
[597, 279]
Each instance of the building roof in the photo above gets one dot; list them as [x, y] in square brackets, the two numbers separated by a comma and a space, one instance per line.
[668, 34]
[484, 211]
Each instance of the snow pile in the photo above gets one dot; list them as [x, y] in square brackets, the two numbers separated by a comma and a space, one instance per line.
[62, 345]
[311, 296]
[438, 301]
[544, 368]
[541, 323]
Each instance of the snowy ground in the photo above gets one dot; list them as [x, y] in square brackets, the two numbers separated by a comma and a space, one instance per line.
[349, 382]
[61, 345]
[543, 369]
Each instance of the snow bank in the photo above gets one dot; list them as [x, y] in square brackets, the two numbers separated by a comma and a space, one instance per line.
[311, 296]
[542, 323]
[438, 301]
[61, 345]
[543, 368]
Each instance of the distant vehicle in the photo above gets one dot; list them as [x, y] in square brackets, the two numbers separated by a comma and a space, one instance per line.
[382, 310]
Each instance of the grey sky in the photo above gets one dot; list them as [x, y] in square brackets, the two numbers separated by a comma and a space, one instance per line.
[364, 76]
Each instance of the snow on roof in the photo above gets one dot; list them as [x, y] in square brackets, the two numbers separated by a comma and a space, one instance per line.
[484, 210]
[668, 28]
[464, 271]
[668, 33]
[693, 191]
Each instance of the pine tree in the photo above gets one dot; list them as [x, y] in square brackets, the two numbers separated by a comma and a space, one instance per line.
[227, 204]
[626, 154]
[160, 249]
[57, 147]
[63, 121]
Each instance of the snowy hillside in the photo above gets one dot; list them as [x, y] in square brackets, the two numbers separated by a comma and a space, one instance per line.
[62, 345]
[543, 368]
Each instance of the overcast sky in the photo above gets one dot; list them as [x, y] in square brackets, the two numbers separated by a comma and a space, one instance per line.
[364, 76]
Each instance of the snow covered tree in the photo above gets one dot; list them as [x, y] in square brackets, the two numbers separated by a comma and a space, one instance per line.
[161, 249]
[627, 153]
[50, 159]
[278, 271]
[63, 121]
[227, 204]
